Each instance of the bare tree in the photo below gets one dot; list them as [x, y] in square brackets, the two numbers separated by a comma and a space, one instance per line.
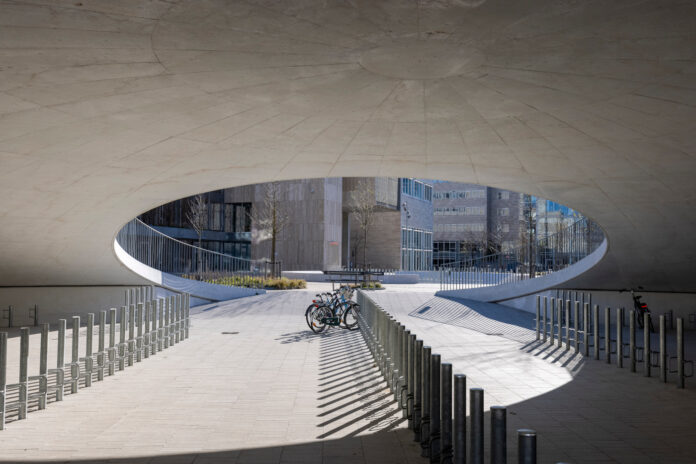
[271, 218]
[197, 217]
[363, 209]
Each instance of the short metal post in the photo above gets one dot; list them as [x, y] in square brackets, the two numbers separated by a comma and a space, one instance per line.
[460, 419]
[663, 350]
[632, 339]
[410, 379]
[172, 325]
[446, 451]
[560, 308]
[646, 344]
[154, 339]
[607, 334]
[567, 325]
[112, 340]
[425, 421]
[538, 311]
[417, 385]
[576, 334]
[551, 317]
[595, 328]
[131, 333]
[3, 377]
[100, 348]
[146, 336]
[188, 314]
[619, 337]
[122, 345]
[60, 360]
[179, 311]
[167, 316]
[435, 409]
[139, 339]
[43, 367]
[546, 311]
[680, 352]
[75, 364]
[89, 361]
[526, 446]
[23, 372]
[476, 431]
[498, 435]
[586, 328]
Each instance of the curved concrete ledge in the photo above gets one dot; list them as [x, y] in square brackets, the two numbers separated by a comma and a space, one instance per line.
[497, 293]
[200, 290]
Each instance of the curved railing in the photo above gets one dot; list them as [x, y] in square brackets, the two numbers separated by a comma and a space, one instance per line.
[544, 256]
[164, 253]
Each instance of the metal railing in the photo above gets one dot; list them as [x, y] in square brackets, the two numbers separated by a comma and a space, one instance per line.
[151, 324]
[543, 256]
[164, 253]
[432, 398]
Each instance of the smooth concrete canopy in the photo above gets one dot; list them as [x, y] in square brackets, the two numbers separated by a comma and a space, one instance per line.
[111, 107]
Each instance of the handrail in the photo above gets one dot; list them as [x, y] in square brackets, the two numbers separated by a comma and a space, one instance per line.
[167, 254]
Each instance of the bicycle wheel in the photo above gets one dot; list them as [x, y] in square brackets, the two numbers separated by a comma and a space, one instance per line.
[317, 315]
[308, 314]
[350, 317]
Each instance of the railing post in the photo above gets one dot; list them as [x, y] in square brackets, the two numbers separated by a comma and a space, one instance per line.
[446, 452]
[526, 446]
[23, 372]
[646, 344]
[60, 360]
[460, 419]
[498, 435]
[435, 436]
[43, 367]
[476, 433]
[663, 350]
[3, 377]
[680, 352]
[89, 361]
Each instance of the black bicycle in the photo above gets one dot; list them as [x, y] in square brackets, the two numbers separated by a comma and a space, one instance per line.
[641, 308]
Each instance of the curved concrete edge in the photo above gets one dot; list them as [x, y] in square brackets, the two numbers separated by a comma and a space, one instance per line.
[499, 293]
[199, 290]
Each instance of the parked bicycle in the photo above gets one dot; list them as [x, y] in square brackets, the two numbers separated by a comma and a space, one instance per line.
[333, 309]
[641, 308]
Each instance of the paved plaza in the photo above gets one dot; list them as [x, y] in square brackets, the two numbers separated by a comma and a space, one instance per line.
[253, 385]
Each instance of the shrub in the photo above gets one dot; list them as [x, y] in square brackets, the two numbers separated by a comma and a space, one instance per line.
[277, 283]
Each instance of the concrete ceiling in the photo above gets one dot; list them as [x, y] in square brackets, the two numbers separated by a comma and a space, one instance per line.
[111, 107]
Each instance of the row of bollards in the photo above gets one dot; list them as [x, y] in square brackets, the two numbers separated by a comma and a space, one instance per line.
[159, 323]
[550, 322]
[433, 399]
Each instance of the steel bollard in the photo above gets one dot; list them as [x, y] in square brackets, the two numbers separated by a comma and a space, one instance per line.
[23, 372]
[60, 360]
[538, 311]
[586, 328]
[154, 339]
[476, 431]
[188, 315]
[619, 337]
[112, 341]
[410, 380]
[146, 336]
[417, 388]
[3, 377]
[526, 446]
[434, 446]
[139, 338]
[75, 364]
[43, 367]
[632, 339]
[646, 345]
[122, 345]
[567, 325]
[576, 336]
[460, 419]
[546, 311]
[595, 328]
[663, 350]
[551, 323]
[89, 361]
[680, 352]
[131, 334]
[498, 435]
[607, 334]
[446, 451]
[425, 421]
[167, 321]
[172, 322]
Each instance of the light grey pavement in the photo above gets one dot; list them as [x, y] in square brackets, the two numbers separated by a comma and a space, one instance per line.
[269, 391]
[585, 411]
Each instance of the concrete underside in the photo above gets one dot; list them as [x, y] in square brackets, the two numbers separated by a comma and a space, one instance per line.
[111, 107]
